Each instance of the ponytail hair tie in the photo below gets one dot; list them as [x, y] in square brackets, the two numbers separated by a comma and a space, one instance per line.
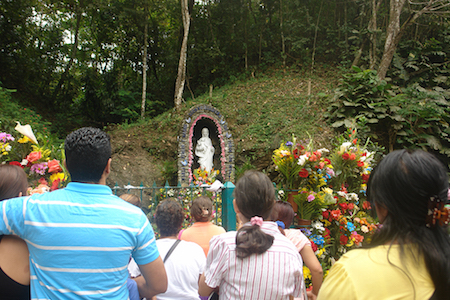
[281, 224]
[258, 221]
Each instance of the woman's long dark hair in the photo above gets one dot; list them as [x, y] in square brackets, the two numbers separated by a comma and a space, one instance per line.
[403, 183]
[255, 196]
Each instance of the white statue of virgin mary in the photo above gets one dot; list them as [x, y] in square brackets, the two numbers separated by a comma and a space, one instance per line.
[205, 151]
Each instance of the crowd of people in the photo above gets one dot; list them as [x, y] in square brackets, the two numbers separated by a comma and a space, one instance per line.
[83, 242]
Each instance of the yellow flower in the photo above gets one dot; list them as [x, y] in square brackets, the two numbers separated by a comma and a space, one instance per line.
[306, 273]
[61, 176]
[24, 140]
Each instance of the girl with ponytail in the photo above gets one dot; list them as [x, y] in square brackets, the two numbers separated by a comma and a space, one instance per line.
[256, 262]
[409, 256]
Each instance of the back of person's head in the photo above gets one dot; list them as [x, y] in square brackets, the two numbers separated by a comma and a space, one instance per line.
[201, 209]
[87, 153]
[132, 199]
[255, 197]
[169, 217]
[13, 182]
[283, 211]
[408, 184]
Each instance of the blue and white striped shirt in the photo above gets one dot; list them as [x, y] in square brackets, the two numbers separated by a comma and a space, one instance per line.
[80, 240]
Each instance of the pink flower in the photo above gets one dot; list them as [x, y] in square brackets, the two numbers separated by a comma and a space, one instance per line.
[54, 166]
[34, 156]
[311, 198]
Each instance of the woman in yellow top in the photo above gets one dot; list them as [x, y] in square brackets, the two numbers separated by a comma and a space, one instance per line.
[409, 256]
[202, 230]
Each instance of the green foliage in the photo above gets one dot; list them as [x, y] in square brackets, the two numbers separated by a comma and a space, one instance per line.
[169, 171]
[363, 96]
[427, 118]
[12, 112]
[240, 170]
[413, 117]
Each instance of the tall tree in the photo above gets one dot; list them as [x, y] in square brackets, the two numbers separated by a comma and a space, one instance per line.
[181, 77]
[394, 32]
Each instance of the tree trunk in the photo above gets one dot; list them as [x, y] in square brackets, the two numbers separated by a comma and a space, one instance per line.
[144, 65]
[394, 32]
[283, 46]
[181, 77]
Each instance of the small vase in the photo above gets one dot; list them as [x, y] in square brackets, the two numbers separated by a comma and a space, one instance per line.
[290, 199]
[304, 223]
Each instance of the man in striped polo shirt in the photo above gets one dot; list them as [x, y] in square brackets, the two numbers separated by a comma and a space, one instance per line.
[80, 238]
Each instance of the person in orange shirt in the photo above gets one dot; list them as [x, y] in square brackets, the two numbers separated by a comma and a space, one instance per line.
[202, 230]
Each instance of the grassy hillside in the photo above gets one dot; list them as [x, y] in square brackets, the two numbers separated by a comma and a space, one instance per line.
[260, 111]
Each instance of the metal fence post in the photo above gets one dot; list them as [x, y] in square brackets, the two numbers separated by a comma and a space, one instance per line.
[228, 214]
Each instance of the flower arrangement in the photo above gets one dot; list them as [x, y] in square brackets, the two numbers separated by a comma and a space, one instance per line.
[41, 163]
[201, 176]
[286, 159]
[310, 203]
[332, 195]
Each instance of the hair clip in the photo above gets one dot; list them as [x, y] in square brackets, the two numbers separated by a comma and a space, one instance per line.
[281, 224]
[256, 221]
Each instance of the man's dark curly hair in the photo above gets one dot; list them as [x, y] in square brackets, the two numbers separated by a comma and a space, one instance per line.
[169, 217]
[87, 153]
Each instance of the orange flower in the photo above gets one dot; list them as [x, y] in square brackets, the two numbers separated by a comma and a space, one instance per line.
[34, 156]
[352, 156]
[54, 166]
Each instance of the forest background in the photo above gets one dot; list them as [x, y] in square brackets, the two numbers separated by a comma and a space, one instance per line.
[272, 67]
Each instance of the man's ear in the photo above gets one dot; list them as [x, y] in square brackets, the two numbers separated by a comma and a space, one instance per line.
[107, 168]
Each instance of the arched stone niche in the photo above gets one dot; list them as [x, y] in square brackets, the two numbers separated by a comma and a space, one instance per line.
[198, 117]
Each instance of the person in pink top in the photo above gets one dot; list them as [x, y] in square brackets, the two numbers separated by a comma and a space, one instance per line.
[283, 214]
[202, 230]
[257, 261]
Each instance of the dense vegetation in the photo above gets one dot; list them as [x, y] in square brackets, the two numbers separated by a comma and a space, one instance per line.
[78, 62]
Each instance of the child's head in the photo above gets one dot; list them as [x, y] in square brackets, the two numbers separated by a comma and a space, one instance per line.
[201, 209]
[283, 211]
[13, 182]
[254, 195]
[132, 199]
[169, 217]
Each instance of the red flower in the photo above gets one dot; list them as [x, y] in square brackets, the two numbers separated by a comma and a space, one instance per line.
[327, 161]
[366, 205]
[354, 141]
[350, 206]
[34, 156]
[343, 239]
[43, 181]
[345, 156]
[358, 238]
[296, 153]
[55, 184]
[15, 163]
[360, 163]
[344, 206]
[303, 173]
[352, 156]
[325, 214]
[365, 177]
[54, 166]
[335, 214]
[313, 157]
[313, 246]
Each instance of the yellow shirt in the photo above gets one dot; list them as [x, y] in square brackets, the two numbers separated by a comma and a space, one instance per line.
[368, 274]
[201, 233]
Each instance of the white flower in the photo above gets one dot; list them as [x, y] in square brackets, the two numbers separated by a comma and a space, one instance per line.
[352, 197]
[344, 146]
[24, 162]
[170, 193]
[8, 148]
[281, 193]
[342, 194]
[323, 150]
[318, 225]
[26, 131]
[364, 229]
[302, 160]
